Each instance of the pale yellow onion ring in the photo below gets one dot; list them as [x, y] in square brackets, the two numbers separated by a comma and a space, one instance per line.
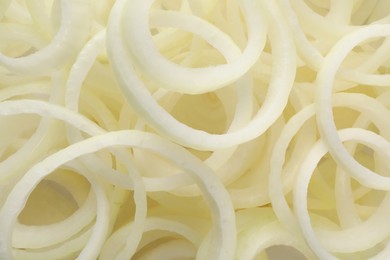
[15, 203]
[374, 223]
[345, 206]
[71, 34]
[45, 109]
[323, 101]
[43, 168]
[24, 236]
[225, 45]
[165, 124]
[216, 195]
[363, 104]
